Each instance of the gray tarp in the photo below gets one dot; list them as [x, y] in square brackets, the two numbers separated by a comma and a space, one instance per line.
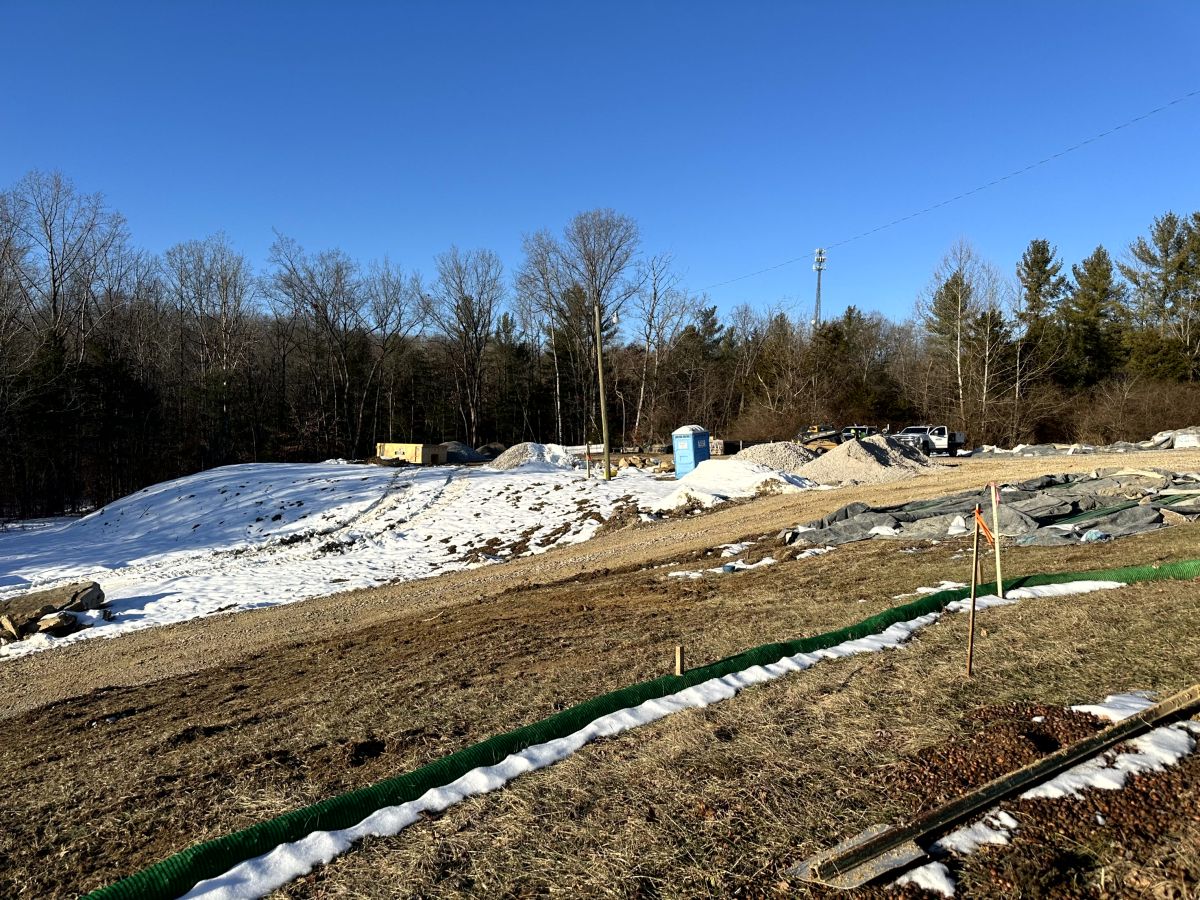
[1049, 510]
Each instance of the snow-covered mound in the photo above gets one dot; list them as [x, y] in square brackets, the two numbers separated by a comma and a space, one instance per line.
[716, 480]
[248, 536]
[230, 507]
[531, 455]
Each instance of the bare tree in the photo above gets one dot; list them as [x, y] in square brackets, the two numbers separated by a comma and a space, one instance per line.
[597, 253]
[945, 310]
[350, 324]
[464, 304]
[17, 343]
[213, 290]
[661, 310]
[395, 313]
[539, 285]
[65, 234]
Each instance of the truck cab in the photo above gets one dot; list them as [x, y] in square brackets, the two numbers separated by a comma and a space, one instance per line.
[930, 439]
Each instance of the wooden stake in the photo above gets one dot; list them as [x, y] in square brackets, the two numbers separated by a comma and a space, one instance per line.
[996, 537]
[974, 586]
[679, 659]
[978, 561]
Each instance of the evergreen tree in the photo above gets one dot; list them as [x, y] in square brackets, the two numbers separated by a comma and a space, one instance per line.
[952, 301]
[1092, 321]
[1042, 284]
[1157, 271]
[946, 320]
[1037, 338]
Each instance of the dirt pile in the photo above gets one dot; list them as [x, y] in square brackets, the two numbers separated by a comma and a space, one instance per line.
[872, 460]
[785, 456]
[458, 452]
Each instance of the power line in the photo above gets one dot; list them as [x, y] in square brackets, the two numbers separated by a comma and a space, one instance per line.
[983, 187]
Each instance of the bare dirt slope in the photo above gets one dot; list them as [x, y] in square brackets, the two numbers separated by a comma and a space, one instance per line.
[116, 753]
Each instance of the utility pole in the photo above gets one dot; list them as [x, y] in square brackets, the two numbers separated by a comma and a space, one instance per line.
[818, 267]
[600, 381]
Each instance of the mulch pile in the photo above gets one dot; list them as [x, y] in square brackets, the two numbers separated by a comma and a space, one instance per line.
[1140, 841]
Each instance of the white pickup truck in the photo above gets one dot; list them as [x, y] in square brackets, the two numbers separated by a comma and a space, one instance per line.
[930, 439]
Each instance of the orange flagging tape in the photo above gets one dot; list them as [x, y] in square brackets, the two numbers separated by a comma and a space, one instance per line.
[987, 532]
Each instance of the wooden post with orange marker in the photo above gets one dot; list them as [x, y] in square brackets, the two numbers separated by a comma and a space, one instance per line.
[996, 537]
[974, 588]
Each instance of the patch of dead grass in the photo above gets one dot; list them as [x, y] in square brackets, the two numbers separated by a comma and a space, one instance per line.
[721, 801]
[712, 802]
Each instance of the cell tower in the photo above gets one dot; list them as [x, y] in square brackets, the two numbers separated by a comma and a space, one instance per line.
[818, 267]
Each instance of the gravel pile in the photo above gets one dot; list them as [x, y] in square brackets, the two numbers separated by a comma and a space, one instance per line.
[872, 460]
[784, 456]
[530, 453]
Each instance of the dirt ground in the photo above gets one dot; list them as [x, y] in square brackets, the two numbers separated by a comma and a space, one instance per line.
[114, 754]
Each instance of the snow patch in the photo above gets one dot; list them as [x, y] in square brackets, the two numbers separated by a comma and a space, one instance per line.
[1153, 752]
[735, 549]
[933, 877]
[725, 568]
[717, 480]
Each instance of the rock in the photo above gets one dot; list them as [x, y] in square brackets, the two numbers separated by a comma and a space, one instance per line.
[87, 598]
[58, 624]
[20, 616]
[21, 622]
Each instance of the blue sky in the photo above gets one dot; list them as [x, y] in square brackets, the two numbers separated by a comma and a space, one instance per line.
[738, 135]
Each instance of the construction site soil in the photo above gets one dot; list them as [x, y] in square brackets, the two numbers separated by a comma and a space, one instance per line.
[115, 754]
[1142, 840]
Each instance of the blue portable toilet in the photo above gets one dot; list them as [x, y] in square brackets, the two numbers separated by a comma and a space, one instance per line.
[691, 448]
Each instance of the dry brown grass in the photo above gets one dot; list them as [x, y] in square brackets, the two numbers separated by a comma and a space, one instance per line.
[707, 803]
[719, 802]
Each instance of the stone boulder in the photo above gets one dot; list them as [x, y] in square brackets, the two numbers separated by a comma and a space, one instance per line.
[20, 616]
[58, 624]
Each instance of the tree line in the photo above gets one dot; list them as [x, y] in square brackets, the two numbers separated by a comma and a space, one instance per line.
[120, 368]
